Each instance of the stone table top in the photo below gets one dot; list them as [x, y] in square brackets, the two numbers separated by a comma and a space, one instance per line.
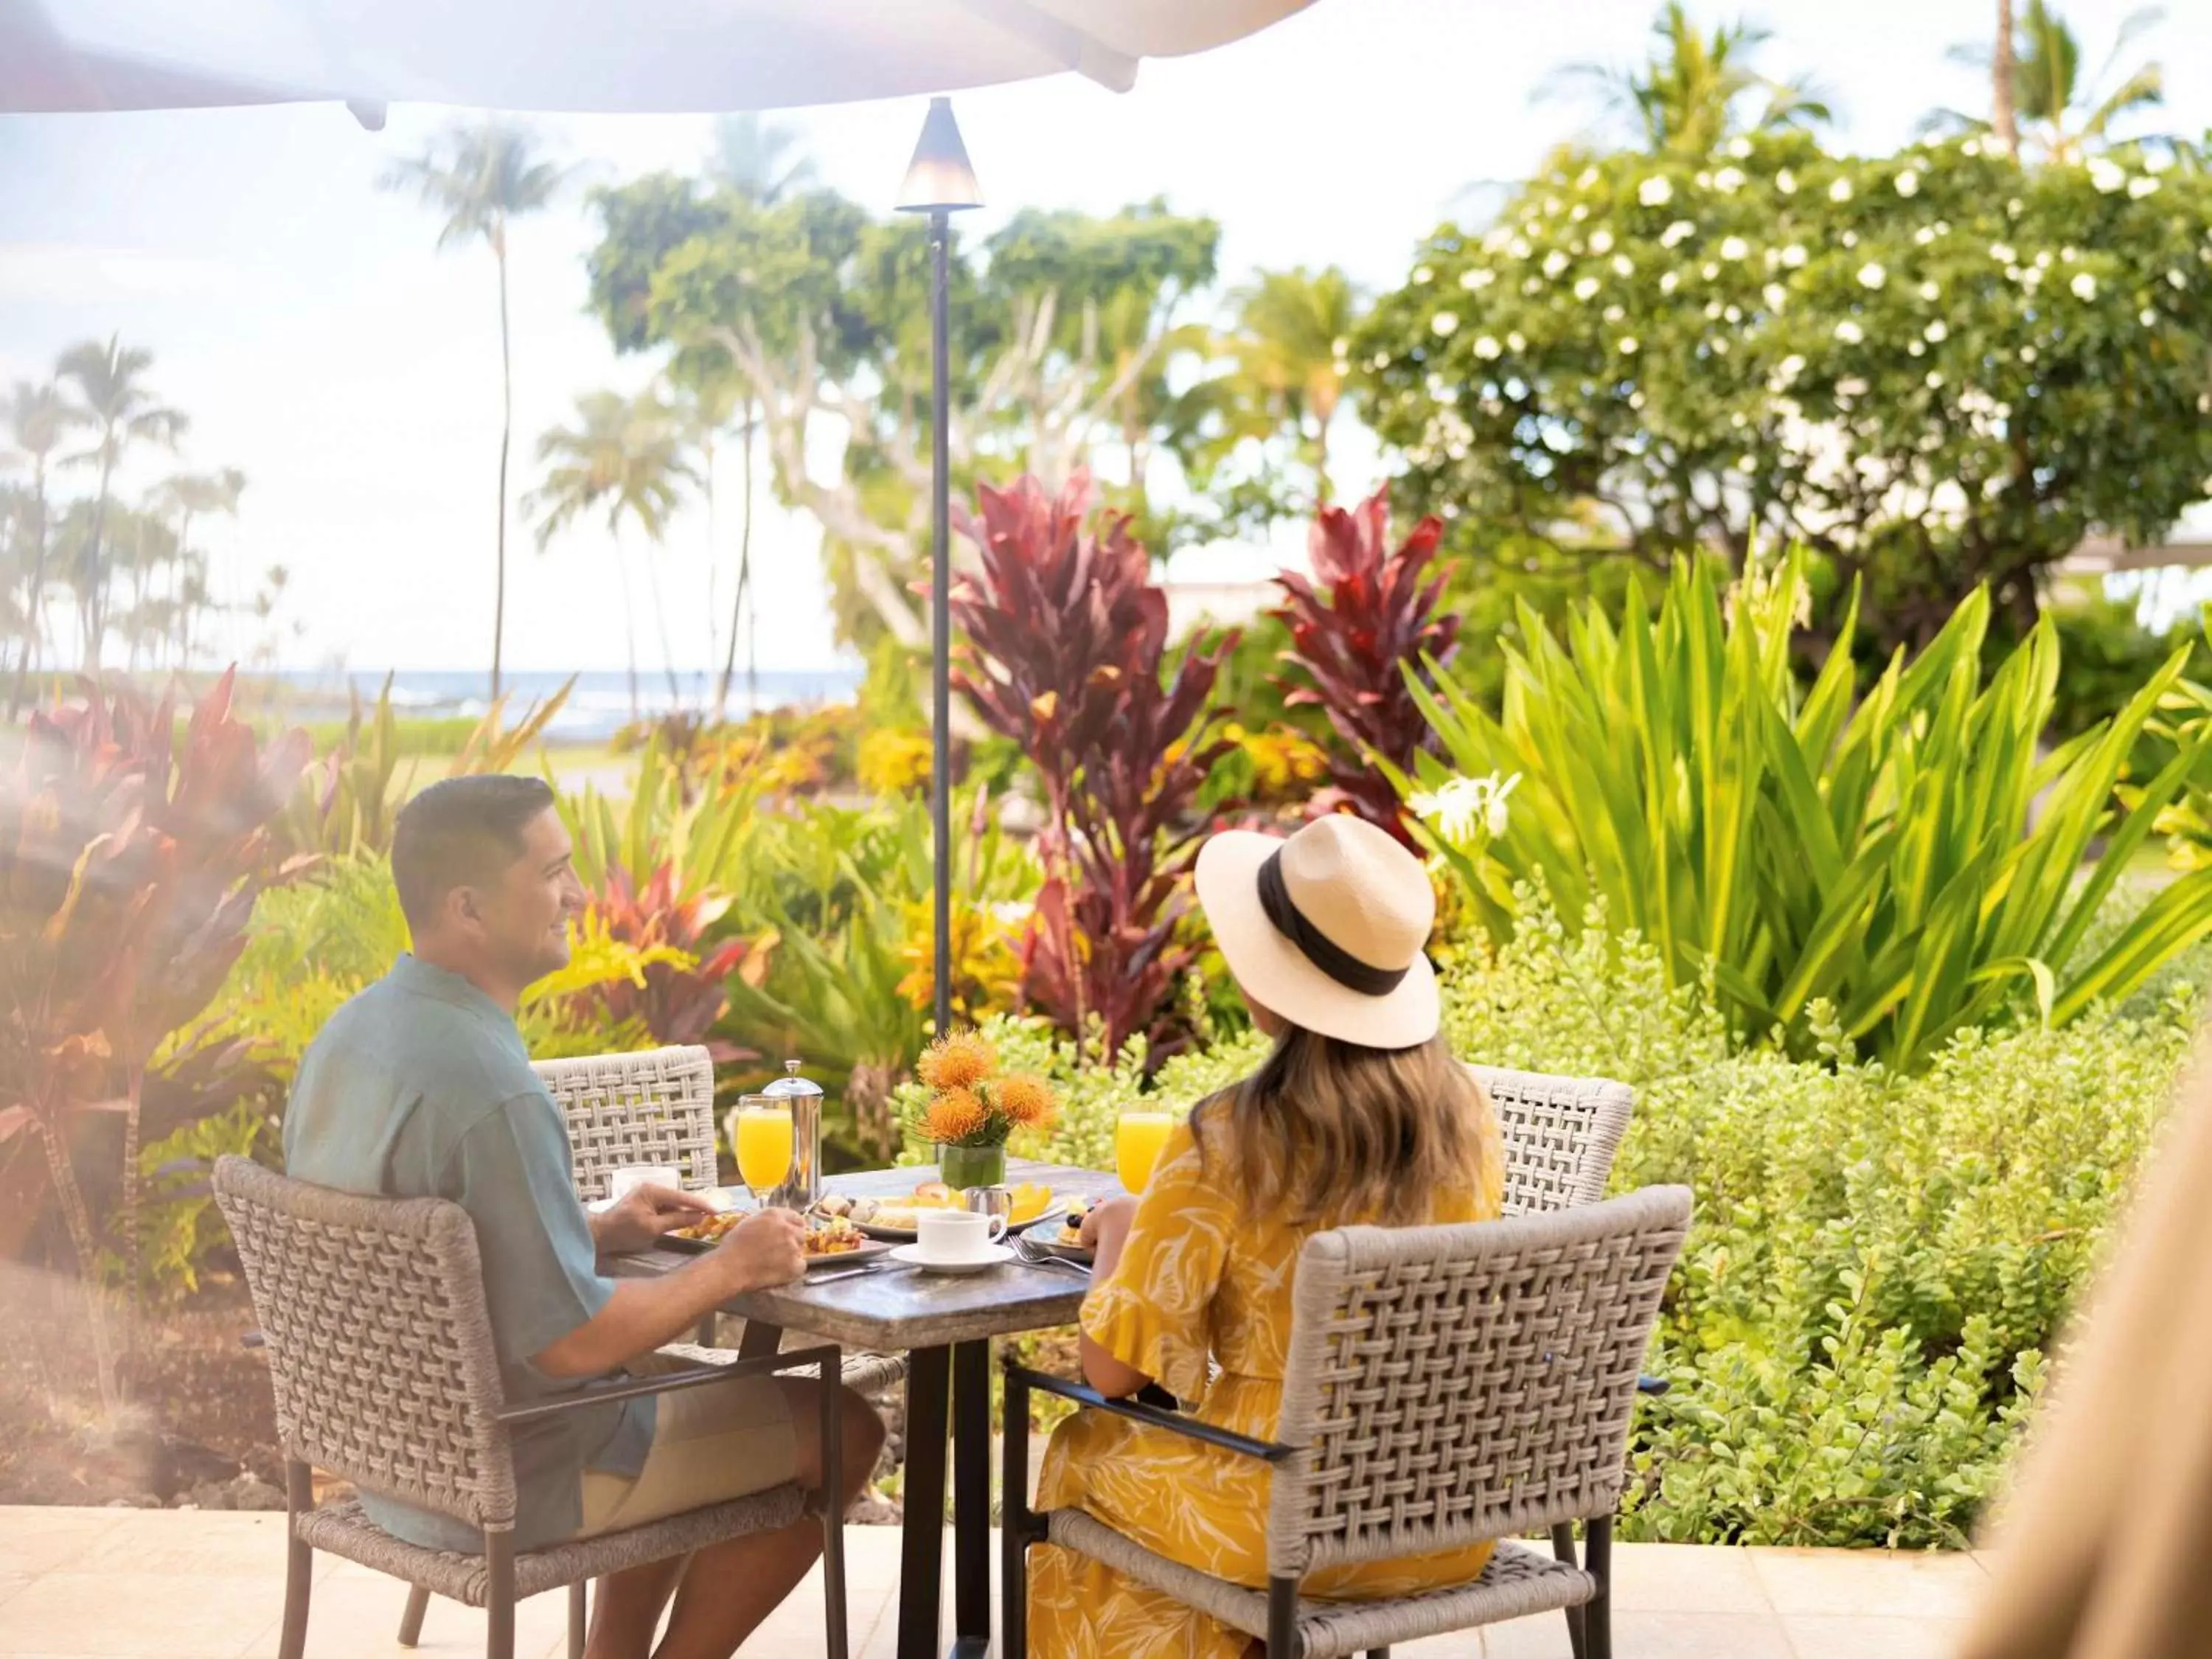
[893, 1307]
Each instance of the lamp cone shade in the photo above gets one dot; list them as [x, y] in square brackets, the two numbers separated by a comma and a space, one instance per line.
[939, 179]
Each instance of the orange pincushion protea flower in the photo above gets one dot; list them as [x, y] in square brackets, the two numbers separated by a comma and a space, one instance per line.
[959, 1062]
[954, 1115]
[1026, 1101]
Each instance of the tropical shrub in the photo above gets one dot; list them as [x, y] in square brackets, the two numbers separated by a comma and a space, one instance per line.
[1876, 848]
[676, 1001]
[1368, 609]
[130, 863]
[1937, 369]
[843, 895]
[1879, 1261]
[1120, 749]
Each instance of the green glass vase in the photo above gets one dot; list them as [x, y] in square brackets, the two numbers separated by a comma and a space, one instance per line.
[962, 1167]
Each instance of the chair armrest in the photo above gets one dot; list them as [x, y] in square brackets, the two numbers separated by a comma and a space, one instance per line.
[1267, 1451]
[634, 1388]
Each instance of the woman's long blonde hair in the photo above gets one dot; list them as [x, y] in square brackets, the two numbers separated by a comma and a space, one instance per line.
[1328, 1131]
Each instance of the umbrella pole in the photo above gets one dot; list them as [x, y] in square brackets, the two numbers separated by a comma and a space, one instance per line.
[940, 604]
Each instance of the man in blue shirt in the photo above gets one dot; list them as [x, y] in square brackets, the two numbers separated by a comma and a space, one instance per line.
[420, 1086]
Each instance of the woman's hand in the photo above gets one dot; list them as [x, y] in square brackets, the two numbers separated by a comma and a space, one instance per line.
[1105, 1230]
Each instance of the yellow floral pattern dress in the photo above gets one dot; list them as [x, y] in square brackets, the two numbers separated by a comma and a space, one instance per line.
[1196, 1279]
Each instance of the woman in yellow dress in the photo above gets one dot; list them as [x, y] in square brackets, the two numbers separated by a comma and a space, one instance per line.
[1360, 1114]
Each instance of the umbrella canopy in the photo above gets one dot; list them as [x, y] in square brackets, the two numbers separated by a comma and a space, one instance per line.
[582, 56]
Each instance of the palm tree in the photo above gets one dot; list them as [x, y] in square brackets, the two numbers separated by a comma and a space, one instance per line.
[2047, 100]
[113, 401]
[761, 162]
[630, 456]
[482, 178]
[189, 495]
[1287, 346]
[1688, 96]
[37, 418]
[2004, 69]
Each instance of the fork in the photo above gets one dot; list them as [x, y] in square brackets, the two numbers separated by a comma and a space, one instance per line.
[1038, 1254]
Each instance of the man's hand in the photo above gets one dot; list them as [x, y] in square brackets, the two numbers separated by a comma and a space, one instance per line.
[765, 1250]
[642, 1215]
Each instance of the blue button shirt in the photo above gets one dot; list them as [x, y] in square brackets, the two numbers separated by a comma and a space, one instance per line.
[420, 1087]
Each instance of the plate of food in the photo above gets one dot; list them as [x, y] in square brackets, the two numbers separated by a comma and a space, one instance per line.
[830, 1241]
[1067, 1239]
[894, 1217]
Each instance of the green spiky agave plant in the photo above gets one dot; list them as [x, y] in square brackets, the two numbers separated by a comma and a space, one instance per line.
[1905, 852]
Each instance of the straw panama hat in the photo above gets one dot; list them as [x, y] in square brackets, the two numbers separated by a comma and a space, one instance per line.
[1327, 928]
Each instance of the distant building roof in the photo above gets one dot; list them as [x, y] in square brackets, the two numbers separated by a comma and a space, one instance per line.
[1217, 605]
[2101, 555]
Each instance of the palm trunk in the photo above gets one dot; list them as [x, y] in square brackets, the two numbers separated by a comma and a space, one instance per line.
[505, 434]
[714, 587]
[2004, 119]
[96, 572]
[35, 607]
[744, 586]
[629, 628]
[660, 626]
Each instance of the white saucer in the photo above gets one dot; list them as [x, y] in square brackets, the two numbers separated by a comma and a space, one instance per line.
[991, 1257]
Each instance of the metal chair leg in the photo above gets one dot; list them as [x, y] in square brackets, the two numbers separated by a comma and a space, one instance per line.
[1563, 1549]
[1597, 1615]
[411, 1622]
[1015, 1521]
[1283, 1641]
[499, 1594]
[578, 1607]
[299, 1561]
[836, 1634]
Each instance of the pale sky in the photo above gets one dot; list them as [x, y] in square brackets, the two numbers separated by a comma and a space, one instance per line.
[319, 341]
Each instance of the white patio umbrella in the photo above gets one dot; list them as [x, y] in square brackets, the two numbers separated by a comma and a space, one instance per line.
[612, 56]
[576, 56]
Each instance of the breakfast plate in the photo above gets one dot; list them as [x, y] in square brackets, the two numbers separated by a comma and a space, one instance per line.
[892, 1218]
[831, 1244]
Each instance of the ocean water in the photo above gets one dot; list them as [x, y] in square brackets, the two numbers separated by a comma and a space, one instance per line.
[597, 709]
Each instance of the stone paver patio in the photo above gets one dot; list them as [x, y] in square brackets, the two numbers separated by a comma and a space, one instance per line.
[177, 1584]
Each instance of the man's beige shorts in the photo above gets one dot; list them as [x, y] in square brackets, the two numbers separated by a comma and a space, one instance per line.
[710, 1443]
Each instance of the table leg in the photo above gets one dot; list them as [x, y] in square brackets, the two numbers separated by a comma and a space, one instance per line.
[971, 1500]
[922, 1534]
[759, 1340]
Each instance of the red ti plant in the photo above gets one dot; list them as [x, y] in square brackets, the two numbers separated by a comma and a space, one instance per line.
[1067, 638]
[129, 868]
[1364, 617]
[676, 1004]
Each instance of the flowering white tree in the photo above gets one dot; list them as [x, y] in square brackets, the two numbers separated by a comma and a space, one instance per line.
[1936, 369]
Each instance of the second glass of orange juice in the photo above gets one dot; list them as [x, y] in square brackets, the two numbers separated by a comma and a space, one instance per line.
[1138, 1138]
[763, 1149]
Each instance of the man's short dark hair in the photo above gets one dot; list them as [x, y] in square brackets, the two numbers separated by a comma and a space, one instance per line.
[458, 832]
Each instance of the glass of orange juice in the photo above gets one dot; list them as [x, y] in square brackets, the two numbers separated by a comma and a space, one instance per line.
[764, 1148]
[1138, 1138]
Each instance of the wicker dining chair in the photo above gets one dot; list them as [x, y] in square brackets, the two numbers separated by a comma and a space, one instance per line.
[1561, 1135]
[381, 1356]
[654, 1107]
[1444, 1385]
[657, 1107]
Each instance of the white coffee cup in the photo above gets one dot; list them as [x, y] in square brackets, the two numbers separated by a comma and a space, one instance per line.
[621, 1183]
[957, 1235]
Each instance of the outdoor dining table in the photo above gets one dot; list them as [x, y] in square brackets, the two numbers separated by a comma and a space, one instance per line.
[944, 1323]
